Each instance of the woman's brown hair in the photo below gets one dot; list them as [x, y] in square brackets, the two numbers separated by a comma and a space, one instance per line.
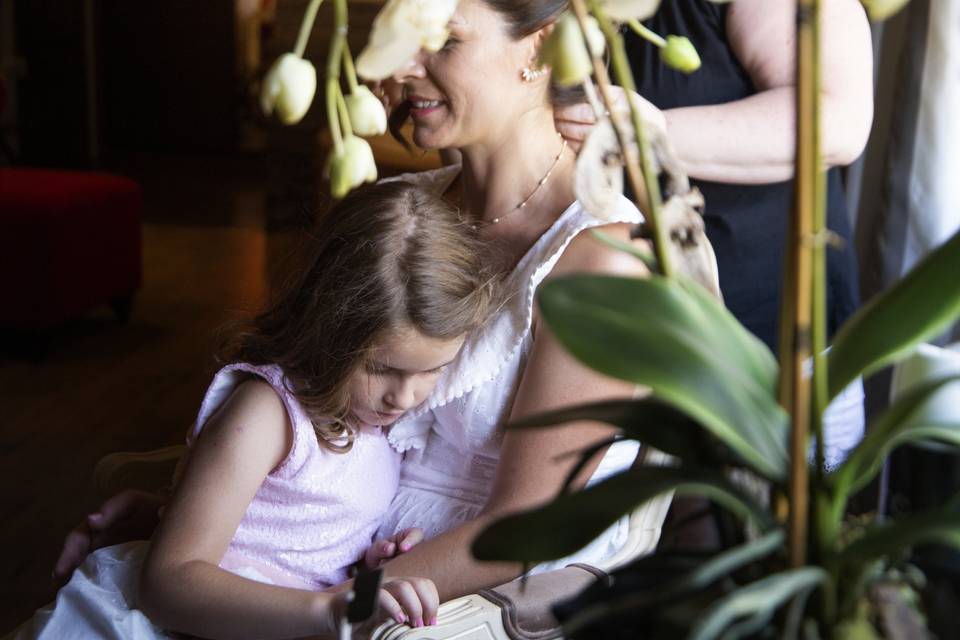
[388, 255]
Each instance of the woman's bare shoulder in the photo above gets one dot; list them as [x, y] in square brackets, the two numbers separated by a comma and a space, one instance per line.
[588, 254]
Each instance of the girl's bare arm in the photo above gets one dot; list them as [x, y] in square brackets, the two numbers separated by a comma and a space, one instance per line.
[182, 586]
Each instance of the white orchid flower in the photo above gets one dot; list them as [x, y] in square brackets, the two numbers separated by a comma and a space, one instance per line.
[352, 167]
[367, 115]
[288, 88]
[400, 30]
[598, 178]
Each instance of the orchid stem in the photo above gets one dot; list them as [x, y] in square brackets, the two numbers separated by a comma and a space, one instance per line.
[337, 44]
[349, 69]
[647, 178]
[306, 27]
[645, 33]
[344, 114]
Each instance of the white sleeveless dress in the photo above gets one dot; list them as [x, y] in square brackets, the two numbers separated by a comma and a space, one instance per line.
[452, 441]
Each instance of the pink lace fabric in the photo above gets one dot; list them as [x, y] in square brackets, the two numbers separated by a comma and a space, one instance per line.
[316, 512]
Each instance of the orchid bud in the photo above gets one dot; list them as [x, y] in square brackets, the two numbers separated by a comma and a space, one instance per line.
[680, 54]
[882, 9]
[566, 53]
[288, 88]
[367, 115]
[352, 167]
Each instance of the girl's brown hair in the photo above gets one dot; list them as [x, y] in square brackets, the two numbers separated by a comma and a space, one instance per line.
[523, 17]
[388, 255]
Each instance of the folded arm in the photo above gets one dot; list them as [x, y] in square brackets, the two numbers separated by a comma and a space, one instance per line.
[751, 141]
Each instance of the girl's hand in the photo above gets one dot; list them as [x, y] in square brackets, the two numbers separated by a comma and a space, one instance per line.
[129, 515]
[385, 549]
[413, 601]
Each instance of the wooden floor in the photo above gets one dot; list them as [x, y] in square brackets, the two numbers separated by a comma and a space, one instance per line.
[104, 386]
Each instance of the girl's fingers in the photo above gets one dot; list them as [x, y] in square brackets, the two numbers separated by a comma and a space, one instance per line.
[429, 598]
[409, 538]
[408, 598]
[378, 552]
[390, 608]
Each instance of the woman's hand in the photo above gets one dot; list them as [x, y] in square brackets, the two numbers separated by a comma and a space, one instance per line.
[575, 121]
[385, 549]
[129, 515]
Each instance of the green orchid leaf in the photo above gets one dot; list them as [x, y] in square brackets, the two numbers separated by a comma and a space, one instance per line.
[924, 303]
[892, 429]
[935, 526]
[650, 421]
[727, 334]
[751, 607]
[645, 256]
[573, 520]
[665, 335]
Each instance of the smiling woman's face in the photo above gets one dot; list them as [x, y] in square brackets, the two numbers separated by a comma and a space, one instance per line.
[471, 91]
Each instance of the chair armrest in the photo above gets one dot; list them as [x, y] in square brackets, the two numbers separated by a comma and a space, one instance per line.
[517, 610]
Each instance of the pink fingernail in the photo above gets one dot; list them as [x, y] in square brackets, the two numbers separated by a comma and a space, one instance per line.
[386, 548]
[405, 547]
[400, 618]
[433, 621]
[418, 622]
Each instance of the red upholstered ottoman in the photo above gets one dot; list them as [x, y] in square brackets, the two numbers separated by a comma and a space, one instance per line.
[69, 241]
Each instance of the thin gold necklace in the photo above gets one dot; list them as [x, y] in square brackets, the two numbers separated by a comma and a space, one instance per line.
[482, 224]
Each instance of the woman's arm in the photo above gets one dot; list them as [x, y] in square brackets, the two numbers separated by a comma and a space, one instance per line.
[751, 141]
[182, 587]
[528, 473]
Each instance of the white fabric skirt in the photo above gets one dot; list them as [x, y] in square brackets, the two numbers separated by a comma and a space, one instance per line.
[99, 602]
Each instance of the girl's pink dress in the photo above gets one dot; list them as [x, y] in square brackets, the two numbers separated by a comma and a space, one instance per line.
[314, 515]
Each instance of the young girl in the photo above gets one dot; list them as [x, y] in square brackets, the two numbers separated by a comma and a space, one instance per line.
[290, 470]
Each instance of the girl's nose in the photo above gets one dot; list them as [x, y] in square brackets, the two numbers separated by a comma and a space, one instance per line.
[402, 396]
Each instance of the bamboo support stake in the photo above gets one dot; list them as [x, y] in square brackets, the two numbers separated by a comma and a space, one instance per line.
[801, 238]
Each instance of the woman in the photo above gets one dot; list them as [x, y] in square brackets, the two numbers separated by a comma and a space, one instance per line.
[462, 471]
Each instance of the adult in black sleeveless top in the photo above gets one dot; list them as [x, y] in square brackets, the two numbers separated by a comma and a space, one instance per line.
[740, 152]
